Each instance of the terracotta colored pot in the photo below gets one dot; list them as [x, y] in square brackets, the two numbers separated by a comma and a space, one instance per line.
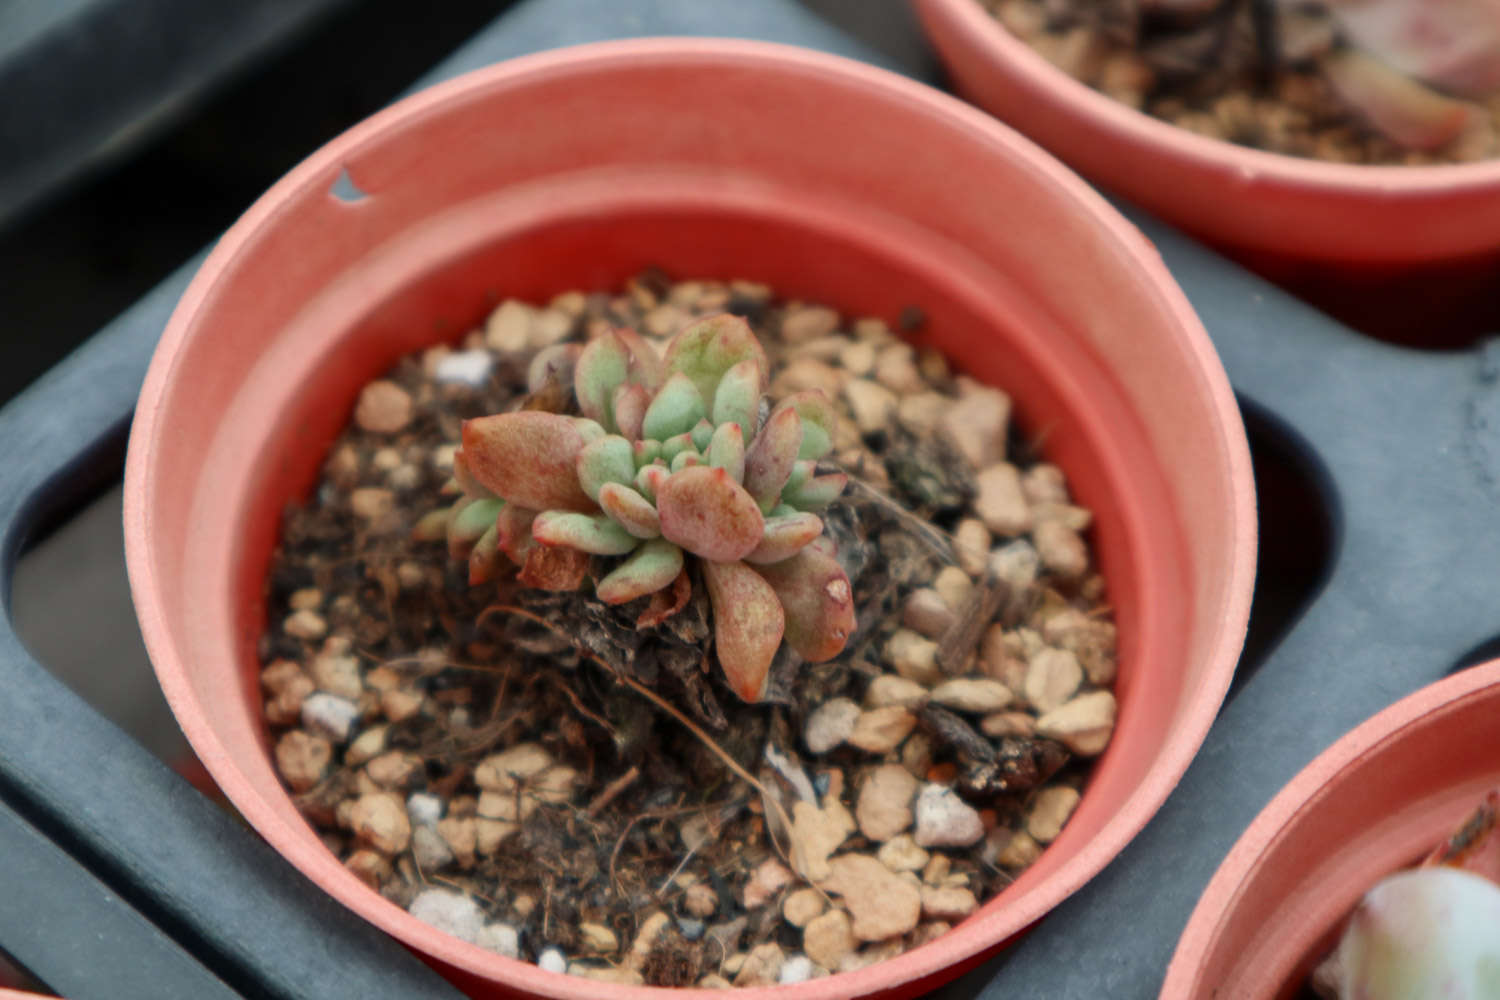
[828, 179]
[1376, 801]
[1335, 232]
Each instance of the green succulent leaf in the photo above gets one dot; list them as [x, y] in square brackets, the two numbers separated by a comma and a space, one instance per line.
[607, 460]
[818, 419]
[589, 430]
[772, 457]
[645, 452]
[686, 459]
[465, 479]
[601, 369]
[649, 479]
[702, 434]
[726, 450]
[784, 536]
[469, 521]
[709, 514]
[630, 510]
[485, 557]
[676, 445]
[706, 349]
[514, 524]
[677, 407]
[596, 534]
[654, 565]
[817, 493]
[737, 398]
[529, 458]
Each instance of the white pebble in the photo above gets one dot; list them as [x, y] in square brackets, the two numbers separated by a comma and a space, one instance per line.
[468, 367]
[830, 724]
[424, 809]
[552, 960]
[500, 938]
[797, 969]
[329, 715]
[945, 820]
[429, 849]
[451, 912]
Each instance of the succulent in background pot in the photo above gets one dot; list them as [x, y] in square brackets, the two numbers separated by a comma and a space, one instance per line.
[603, 169]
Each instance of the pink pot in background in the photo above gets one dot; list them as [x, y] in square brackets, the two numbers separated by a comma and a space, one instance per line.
[1376, 801]
[829, 180]
[1408, 253]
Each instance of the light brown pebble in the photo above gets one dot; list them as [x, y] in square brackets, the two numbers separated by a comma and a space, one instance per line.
[916, 754]
[1052, 677]
[998, 660]
[872, 404]
[1017, 724]
[302, 758]
[896, 369]
[972, 694]
[394, 769]
[461, 836]
[913, 656]
[884, 807]
[830, 724]
[597, 939]
[370, 867]
[508, 328]
[930, 930]
[769, 878]
[921, 411]
[872, 955]
[818, 833]
[571, 303]
[305, 624]
[306, 599]
[1049, 811]
[548, 327]
[489, 834]
[400, 704]
[824, 349]
[337, 674]
[379, 819]
[646, 936]
[977, 424]
[714, 981]
[809, 373]
[971, 545]
[1000, 504]
[761, 966]
[879, 730]
[936, 869]
[367, 745]
[901, 854]
[372, 503]
[386, 459]
[1068, 515]
[881, 903]
[803, 323]
[1126, 77]
[890, 689]
[1020, 851]
[926, 613]
[872, 328]
[502, 771]
[828, 938]
[508, 806]
[383, 408]
[700, 900]
[1061, 548]
[1083, 725]
[858, 357]
[800, 907]
[947, 904]
[607, 974]
[954, 586]
[278, 675]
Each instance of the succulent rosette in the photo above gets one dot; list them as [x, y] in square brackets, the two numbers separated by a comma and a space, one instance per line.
[669, 460]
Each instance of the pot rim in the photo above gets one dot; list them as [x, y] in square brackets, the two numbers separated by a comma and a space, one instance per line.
[1303, 792]
[965, 942]
[1387, 181]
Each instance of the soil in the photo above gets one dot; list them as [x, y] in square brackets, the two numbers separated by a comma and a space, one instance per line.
[1218, 76]
[539, 774]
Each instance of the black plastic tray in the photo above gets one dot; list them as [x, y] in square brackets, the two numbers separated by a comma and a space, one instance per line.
[1379, 472]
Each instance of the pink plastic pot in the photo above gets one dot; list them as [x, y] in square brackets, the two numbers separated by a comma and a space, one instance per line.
[1385, 247]
[828, 179]
[1376, 801]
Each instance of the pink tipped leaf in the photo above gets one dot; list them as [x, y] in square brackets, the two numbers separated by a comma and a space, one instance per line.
[772, 457]
[676, 445]
[737, 398]
[817, 492]
[706, 349]
[485, 558]
[649, 568]
[468, 522]
[818, 419]
[819, 602]
[607, 460]
[645, 365]
[631, 400]
[677, 407]
[726, 450]
[1452, 44]
[602, 368]
[630, 510]
[643, 453]
[785, 536]
[1400, 108]
[649, 479]
[529, 458]
[709, 514]
[748, 625]
[685, 460]
[592, 533]
[514, 526]
[465, 479]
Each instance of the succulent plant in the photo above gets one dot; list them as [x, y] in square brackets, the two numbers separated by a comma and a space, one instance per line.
[670, 460]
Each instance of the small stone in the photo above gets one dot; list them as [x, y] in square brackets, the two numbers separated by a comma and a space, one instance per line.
[1083, 725]
[872, 955]
[700, 900]
[830, 724]
[926, 613]
[971, 545]
[691, 928]
[972, 694]
[400, 704]
[879, 730]
[337, 674]
[913, 656]
[936, 869]
[646, 936]
[1017, 724]
[1061, 548]
[462, 837]
[802, 906]
[818, 833]
[279, 675]
[947, 904]
[858, 357]
[523, 905]
[1049, 811]
[500, 772]
[828, 938]
[810, 373]
[548, 327]
[597, 939]
[508, 807]
[328, 715]
[394, 769]
[372, 503]
[889, 689]
[1016, 563]
[489, 834]
[305, 624]
[552, 960]
[921, 411]
[881, 903]
[302, 758]
[884, 808]
[664, 320]
[471, 368]
[916, 754]
[607, 974]
[714, 981]
[896, 369]
[367, 745]
[945, 820]
[901, 854]
[508, 328]
[451, 912]
[977, 425]
[1052, 677]
[306, 599]
[379, 819]
[424, 809]
[1020, 851]
[429, 849]
[370, 867]
[803, 323]
[928, 931]
[954, 587]
[501, 938]
[762, 966]
[1001, 505]
[1075, 519]
[383, 408]
[765, 882]
[796, 969]
[872, 404]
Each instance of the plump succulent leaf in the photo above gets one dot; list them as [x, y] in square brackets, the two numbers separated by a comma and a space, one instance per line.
[596, 534]
[726, 450]
[686, 459]
[818, 419]
[1452, 44]
[678, 406]
[553, 364]
[702, 435]
[630, 510]
[748, 625]
[645, 452]
[709, 514]
[630, 402]
[676, 445]
[819, 603]
[601, 369]
[785, 536]
[514, 526]
[645, 366]
[485, 557]
[649, 479]
[607, 460]
[652, 566]
[1404, 110]
[737, 398]
[470, 486]
[817, 492]
[529, 458]
[470, 519]
[706, 349]
[772, 457]
[432, 526]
